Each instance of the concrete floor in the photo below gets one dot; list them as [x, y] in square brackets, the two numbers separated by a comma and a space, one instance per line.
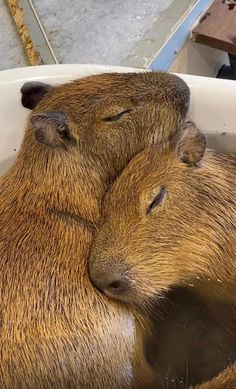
[97, 31]
[115, 32]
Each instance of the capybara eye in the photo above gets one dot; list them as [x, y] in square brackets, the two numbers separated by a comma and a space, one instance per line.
[116, 117]
[157, 200]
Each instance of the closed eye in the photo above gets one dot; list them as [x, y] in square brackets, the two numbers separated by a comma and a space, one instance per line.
[116, 117]
[157, 200]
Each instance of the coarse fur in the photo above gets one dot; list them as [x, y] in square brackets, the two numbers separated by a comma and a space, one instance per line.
[56, 329]
[225, 380]
[170, 222]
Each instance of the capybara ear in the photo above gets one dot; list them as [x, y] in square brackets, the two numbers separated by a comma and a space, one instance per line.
[33, 92]
[51, 128]
[191, 145]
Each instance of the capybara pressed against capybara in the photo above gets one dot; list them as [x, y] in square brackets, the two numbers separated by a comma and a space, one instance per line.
[169, 222]
[56, 330]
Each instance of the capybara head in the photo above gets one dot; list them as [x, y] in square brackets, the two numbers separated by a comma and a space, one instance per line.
[106, 118]
[159, 225]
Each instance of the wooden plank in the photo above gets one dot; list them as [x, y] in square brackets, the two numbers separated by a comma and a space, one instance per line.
[217, 28]
[18, 17]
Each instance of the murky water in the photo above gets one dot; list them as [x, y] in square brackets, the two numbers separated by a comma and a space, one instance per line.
[195, 339]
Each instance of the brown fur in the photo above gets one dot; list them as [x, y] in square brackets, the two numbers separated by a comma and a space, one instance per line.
[186, 241]
[225, 380]
[56, 329]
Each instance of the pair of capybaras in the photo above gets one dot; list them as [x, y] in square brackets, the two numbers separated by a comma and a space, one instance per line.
[167, 221]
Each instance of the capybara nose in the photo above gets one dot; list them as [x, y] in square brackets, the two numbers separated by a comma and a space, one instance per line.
[111, 284]
[117, 286]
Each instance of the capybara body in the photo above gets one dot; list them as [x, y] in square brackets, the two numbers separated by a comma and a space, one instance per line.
[56, 329]
[169, 223]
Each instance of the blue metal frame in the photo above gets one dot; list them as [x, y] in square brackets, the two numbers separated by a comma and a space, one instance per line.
[167, 54]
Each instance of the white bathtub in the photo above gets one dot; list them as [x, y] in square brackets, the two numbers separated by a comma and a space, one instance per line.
[213, 104]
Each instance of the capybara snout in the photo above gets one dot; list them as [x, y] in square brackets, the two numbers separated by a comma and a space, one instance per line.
[116, 281]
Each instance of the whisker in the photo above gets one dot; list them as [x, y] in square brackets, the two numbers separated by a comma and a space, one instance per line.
[186, 376]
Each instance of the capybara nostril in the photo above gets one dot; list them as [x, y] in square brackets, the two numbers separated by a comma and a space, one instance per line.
[110, 285]
[117, 286]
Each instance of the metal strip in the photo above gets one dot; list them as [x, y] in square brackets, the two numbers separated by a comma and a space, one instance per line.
[37, 33]
[168, 52]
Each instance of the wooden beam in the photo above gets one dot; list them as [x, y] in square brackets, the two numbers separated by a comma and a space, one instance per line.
[18, 16]
[217, 28]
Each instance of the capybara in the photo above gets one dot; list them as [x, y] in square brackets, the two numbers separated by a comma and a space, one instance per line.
[169, 222]
[56, 330]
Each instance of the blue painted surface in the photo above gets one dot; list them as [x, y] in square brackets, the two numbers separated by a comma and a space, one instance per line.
[167, 54]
